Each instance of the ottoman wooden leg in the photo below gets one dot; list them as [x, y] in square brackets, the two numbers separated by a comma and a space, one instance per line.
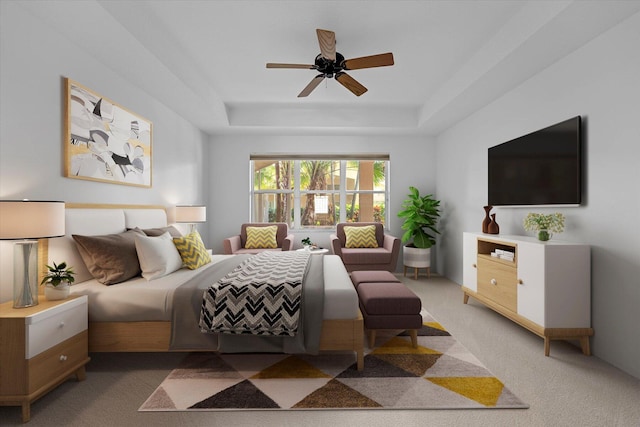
[414, 337]
[372, 337]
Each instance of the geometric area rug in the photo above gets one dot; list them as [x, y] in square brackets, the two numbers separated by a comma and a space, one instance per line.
[439, 374]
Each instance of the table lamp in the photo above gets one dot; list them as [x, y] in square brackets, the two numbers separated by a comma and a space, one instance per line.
[191, 215]
[28, 221]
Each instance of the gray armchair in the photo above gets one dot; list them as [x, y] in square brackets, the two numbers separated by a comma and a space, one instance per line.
[236, 244]
[384, 257]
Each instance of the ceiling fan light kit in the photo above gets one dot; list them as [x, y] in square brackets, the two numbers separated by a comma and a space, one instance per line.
[332, 64]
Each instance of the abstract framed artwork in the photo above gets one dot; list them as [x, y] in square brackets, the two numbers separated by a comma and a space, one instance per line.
[103, 141]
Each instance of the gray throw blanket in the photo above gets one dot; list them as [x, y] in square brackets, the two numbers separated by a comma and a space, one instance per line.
[262, 296]
[187, 305]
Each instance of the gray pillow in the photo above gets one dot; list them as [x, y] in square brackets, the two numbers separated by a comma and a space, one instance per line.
[110, 258]
[156, 232]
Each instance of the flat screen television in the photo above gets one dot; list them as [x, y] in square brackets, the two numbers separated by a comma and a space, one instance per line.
[541, 168]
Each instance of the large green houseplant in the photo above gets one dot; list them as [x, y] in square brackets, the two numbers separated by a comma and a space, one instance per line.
[421, 214]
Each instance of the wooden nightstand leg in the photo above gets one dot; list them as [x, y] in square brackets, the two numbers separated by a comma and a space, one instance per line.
[81, 374]
[466, 299]
[26, 411]
[428, 272]
[372, 337]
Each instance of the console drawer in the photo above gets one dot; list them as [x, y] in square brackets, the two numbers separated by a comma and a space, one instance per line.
[498, 282]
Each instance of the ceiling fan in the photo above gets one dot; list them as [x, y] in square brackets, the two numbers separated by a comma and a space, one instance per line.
[332, 64]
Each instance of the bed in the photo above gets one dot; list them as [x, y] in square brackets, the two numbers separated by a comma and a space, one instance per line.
[136, 315]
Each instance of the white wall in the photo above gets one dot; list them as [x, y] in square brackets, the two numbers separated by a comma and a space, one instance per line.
[412, 164]
[600, 82]
[34, 58]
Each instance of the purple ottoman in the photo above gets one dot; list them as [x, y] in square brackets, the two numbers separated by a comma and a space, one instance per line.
[372, 276]
[389, 305]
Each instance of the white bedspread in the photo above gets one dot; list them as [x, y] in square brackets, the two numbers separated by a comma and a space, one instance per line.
[140, 300]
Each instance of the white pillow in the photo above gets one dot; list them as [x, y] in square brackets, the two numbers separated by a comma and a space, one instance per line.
[158, 255]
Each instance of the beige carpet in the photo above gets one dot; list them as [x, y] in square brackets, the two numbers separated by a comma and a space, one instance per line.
[439, 374]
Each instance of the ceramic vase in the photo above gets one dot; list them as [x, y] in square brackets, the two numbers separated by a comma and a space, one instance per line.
[544, 235]
[493, 227]
[487, 219]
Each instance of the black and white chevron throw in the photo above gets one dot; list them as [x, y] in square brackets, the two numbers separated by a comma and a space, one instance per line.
[262, 296]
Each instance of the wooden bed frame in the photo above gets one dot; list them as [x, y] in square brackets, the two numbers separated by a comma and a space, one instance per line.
[336, 335]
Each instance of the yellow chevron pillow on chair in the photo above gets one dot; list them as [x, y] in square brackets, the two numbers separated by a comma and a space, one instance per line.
[192, 251]
[262, 237]
[361, 237]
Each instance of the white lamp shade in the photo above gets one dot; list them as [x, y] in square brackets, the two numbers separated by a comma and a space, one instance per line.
[191, 214]
[31, 219]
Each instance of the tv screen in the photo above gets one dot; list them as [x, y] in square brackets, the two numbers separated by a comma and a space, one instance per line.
[541, 168]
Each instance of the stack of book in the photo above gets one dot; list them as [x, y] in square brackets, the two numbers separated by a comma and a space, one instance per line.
[502, 254]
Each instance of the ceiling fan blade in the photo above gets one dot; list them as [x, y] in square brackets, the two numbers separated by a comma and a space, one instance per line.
[381, 60]
[311, 86]
[350, 83]
[301, 66]
[327, 42]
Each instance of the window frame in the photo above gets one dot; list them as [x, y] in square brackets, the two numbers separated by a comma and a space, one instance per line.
[297, 192]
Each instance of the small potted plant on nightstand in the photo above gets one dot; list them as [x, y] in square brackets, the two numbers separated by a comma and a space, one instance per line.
[57, 281]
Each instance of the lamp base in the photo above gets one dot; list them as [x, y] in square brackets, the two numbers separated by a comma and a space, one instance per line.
[25, 274]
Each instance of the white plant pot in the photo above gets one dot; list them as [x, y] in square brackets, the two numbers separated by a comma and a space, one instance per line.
[53, 293]
[416, 257]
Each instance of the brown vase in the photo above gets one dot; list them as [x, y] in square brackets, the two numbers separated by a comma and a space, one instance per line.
[487, 219]
[493, 227]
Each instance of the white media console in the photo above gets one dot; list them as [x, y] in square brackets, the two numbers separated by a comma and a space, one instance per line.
[542, 286]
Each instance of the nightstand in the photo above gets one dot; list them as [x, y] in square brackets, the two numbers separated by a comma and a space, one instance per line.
[40, 348]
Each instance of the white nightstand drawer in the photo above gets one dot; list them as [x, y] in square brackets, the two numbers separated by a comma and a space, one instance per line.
[54, 326]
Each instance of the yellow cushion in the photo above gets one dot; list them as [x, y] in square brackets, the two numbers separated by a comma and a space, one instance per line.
[262, 237]
[361, 237]
[192, 251]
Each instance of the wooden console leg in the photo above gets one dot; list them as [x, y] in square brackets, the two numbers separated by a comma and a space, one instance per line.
[414, 337]
[372, 337]
[360, 360]
[584, 344]
[547, 346]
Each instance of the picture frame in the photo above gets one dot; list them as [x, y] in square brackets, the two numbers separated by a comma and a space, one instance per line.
[104, 141]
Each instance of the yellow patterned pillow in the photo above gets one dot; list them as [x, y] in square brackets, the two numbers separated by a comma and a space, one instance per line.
[262, 237]
[361, 237]
[192, 251]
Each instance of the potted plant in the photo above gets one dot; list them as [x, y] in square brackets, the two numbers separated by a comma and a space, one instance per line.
[421, 214]
[308, 244]
[57, 281]
[544, 225]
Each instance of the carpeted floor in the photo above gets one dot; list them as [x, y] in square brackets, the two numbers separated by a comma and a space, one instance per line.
[439, 374]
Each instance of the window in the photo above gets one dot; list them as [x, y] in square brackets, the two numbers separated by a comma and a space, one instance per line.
[319, 191]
